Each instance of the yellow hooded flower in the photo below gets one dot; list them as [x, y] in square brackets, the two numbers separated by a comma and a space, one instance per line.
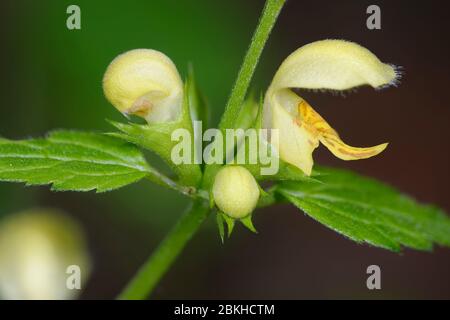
[145, 83]
[330, 65]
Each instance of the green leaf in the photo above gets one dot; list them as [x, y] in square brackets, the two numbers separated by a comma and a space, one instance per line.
[72, 160]
[286, 171]
[366, 210]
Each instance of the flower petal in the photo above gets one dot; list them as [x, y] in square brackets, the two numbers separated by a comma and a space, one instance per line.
[330, 138]
[146, 83]
[296, 142]
[335, 65]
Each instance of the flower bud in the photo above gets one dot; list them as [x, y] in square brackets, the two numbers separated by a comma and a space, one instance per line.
[145, 83]
[235, 191]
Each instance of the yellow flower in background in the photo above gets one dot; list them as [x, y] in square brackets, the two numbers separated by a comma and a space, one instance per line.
[329, 65]
[36, 249]
[145, 83]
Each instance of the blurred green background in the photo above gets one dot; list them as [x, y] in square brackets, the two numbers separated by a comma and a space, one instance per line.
[51, 78]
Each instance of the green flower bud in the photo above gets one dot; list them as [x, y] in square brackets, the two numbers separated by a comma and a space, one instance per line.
[235, 191]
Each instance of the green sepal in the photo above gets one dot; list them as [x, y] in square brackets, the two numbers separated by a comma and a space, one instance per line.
[220, 225]
[267, 198]
[247, 222]
[212, 203]
[198, 106]
[230, 223]
[258, 120]
[285, 171]
[209, 175]
[74, 160]
[248, 113]
[198, 112]
[157, 138]
[262, 192]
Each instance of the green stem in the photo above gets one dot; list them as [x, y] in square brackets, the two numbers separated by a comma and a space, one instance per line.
[155, 267]
[266, 22]
[189, 191]
[142, 284]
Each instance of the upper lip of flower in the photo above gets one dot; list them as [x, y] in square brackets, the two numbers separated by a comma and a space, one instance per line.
[145, 83]
[327, 64]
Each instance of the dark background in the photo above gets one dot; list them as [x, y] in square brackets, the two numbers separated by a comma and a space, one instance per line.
[51, 78]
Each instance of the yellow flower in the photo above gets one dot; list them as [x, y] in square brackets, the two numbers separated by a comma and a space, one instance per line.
[145, 83]
[36, 249]
[235, 191]
[331, 65]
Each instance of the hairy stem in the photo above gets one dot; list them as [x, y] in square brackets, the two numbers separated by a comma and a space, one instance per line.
[189, 191]
[142, 284]
[266, 22]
